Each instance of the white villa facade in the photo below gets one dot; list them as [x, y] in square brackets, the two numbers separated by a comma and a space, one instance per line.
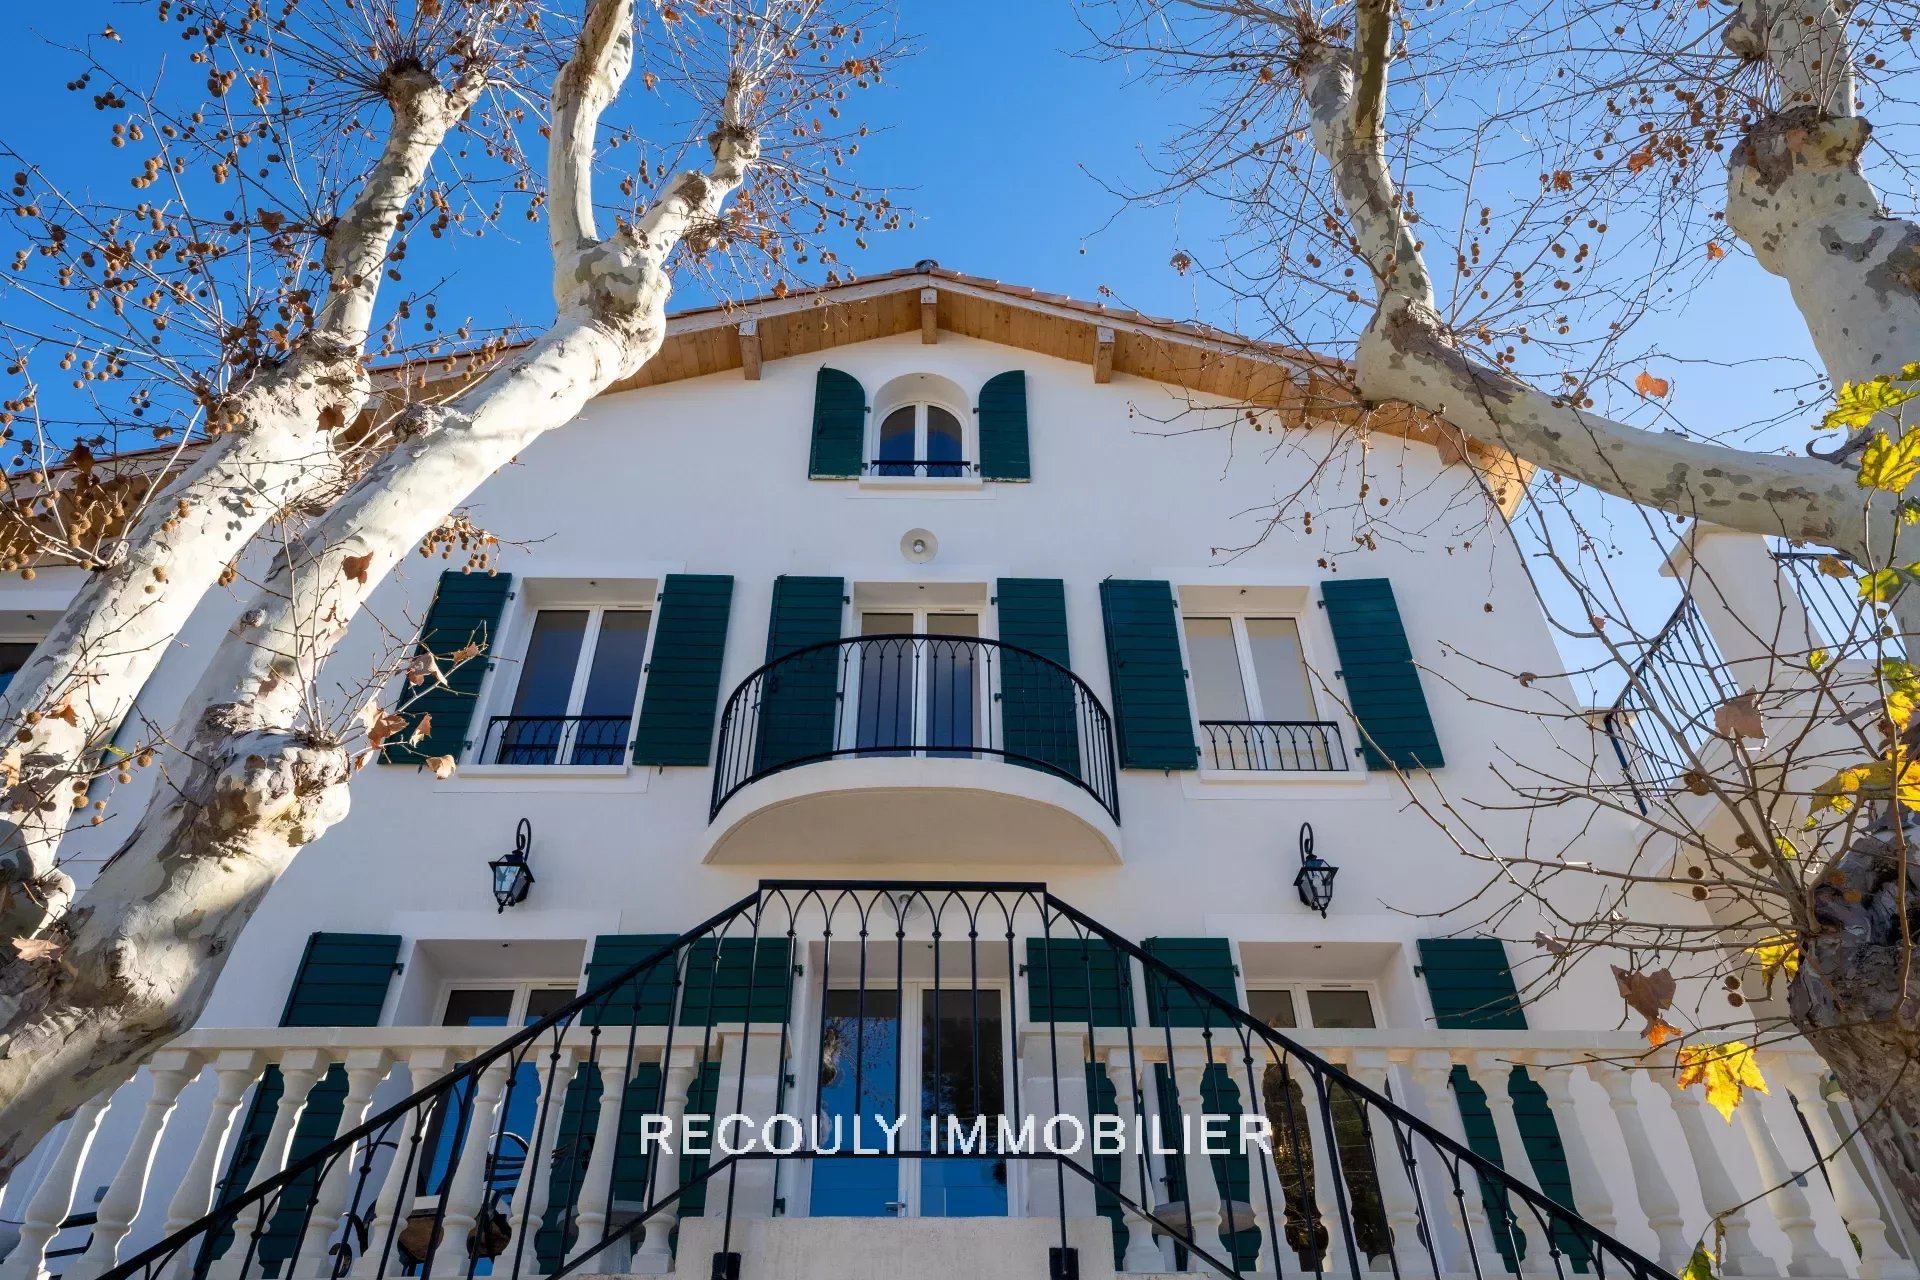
[929, 580]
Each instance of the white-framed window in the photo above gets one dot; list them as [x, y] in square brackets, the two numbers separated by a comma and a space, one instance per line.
[13, 656]
[1253, 697]
[921, 431]
[1319, 1005]
[571, 697]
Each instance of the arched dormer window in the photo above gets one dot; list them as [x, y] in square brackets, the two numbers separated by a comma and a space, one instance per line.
[922, 429]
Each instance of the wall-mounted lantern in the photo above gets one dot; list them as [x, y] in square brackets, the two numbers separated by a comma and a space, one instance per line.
[513, 874]
[1315, 878]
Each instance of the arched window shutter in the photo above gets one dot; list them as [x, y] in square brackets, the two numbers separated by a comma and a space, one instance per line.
[839, 426]
[1004, 454]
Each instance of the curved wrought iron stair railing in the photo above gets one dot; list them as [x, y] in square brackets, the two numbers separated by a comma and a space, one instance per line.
[360, 1205]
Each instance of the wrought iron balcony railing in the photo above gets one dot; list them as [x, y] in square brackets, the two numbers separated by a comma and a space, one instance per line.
[934, 468]
[1852, 627]
[555, 740]
[1283, 746]
[817, 999]
[905, 695]
[1664, 716]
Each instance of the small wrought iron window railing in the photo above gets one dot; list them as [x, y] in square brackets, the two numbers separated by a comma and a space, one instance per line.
[1273, 746]
[928, 468]
[555, 740]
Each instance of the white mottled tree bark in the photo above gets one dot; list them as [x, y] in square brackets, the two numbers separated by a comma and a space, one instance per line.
[272, 446]
[1796, 195]
[144, 944]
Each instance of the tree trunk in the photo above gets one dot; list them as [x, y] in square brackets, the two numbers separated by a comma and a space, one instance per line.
[273, 447]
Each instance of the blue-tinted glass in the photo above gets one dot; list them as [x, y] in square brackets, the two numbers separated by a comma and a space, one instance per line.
[896, 442]
[943, 442]
[859, 1076]
[962, 1079]
[607, 706]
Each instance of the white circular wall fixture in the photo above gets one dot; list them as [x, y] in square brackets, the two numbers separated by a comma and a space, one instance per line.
[919, 546]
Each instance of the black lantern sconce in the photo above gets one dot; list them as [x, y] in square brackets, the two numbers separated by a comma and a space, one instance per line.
[513, 874]
[1315, 879]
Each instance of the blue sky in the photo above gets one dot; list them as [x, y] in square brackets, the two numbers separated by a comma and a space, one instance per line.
[1000, 133]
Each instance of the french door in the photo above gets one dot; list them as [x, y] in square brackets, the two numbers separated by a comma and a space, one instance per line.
[923, 691]
[911, 1053]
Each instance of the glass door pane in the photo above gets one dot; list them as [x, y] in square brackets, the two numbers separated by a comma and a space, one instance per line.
[1219, 694]
[944, 453]
[885, 724]
[896, 443]
[545, 687]
[606, 709]
[859, 1076]
[952, 686]
[1280, 672]
[962, 1079]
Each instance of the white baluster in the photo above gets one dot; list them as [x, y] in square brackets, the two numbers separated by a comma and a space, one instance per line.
[1402, 1206]
[234, 1071]
[1790, 1206]
[653, 1258]
[171, 1070]
[366, 1068]
[1739, 1255]
[1493, 1072]
[596, 1184]
[1325, 1222]
[1430, 1072]
[396, 1192]
[530, 1192]
[300, 1070]
[1203, 1218]
[468, 1188]
[53, 1199]
[1590, 1194]
[1805, 1074]
[1657, 1200]
[1142, 1253]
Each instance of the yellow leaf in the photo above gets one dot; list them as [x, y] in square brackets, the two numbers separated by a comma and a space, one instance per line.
[1858, 402]
[1881, 585]
[1726, 1070]
[1818, 659]
[1833, 567]
[1785, 848]
[1891, 464]
[1700, 1265]
[1775, 955]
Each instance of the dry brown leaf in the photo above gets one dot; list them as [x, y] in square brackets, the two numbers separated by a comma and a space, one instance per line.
[67, 713]
[384, 726]
[1648, 385]
[356, 567]
[421, 730]
[422, 669]
[1647, 994]
[440, 766]
[32, 949]
[466, 652]
[1738, 717]
[1550, 944]
[1714, 251]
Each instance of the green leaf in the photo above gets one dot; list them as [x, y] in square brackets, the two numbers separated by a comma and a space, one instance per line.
[1700, 1265]
[1889, 464]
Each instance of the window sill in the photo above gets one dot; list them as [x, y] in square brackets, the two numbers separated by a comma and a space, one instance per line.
[1276, 784]
[922, 484]
[499, 778]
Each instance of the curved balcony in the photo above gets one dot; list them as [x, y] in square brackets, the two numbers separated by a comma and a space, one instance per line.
[891, 749]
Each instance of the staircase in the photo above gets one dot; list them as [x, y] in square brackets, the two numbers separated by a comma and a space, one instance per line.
[821, 999]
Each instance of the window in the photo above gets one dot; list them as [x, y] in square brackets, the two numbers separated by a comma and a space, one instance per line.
[920, 683]
[1253, 697]
[13, 656]
[1285, 1103]
[920, 440]
[577, 686]
[493, 1005]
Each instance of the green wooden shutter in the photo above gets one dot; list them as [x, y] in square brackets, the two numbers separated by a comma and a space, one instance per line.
[1078, 980]
[1004, 452]
[1149, 678]
[1039, 724]
[466, 610]
[1472, 988]
[800, 697]
[683, 672]
[645, 1001]
[1376, 665]
[737, 980]
[341, 982]
[1207, 961]
[839, 426]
